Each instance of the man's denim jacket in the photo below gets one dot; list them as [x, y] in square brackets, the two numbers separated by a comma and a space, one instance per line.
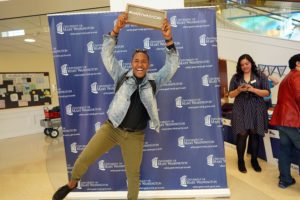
[121, 101]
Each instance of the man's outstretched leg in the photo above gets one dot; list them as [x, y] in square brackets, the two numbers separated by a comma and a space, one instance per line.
[103, 140]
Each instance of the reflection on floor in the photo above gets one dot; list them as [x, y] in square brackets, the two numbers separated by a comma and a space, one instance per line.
[32, 167]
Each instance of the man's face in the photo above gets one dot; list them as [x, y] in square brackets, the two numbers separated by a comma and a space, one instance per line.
[298, 64]
[140, 64]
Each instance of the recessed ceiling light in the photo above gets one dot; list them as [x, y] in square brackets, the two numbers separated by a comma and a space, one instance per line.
[30, 40]
[4, 0]
[13, 33]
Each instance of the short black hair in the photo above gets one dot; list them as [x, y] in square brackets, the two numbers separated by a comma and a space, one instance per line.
[144, 51]
[293, 60]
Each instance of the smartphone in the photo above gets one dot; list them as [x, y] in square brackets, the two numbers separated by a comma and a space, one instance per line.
[243, 85]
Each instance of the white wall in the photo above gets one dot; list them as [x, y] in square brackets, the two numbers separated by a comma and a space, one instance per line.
[264, 50]
[30, 62]
[267, 50]
[24, 121]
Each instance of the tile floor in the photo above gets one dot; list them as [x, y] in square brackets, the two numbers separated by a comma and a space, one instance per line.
[33, 166]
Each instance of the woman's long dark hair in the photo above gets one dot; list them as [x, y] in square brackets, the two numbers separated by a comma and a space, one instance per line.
[254, 68]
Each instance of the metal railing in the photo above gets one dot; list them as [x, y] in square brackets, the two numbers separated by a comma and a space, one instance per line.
[262, 17]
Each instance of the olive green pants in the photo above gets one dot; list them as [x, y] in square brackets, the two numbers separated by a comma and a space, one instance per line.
[105, 138]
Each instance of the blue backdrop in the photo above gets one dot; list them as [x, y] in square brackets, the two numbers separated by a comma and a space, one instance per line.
[188, 153]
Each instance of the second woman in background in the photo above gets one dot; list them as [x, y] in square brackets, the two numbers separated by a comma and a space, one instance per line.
[249, 115]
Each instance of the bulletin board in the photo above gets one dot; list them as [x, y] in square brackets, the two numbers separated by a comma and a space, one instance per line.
[24, 89]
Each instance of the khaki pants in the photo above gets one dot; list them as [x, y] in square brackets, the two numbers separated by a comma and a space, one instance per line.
[105, 138]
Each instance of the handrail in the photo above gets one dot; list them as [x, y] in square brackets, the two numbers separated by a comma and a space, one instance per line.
[265, 11]
[280, 24]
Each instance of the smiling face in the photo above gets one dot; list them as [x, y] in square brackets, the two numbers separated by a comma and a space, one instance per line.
[246, 65]
[140, 64]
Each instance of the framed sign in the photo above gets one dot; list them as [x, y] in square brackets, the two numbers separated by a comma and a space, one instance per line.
[24, 89]
[147, 17]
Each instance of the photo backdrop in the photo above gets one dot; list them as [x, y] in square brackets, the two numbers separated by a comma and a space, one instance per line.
[186, 159]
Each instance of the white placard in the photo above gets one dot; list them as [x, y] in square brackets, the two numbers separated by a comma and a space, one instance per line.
[10, 88]
[3, 91]
[120, 5]
[26, 97]
[14, 97]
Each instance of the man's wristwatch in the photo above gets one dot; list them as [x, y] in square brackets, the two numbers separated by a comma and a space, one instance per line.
[168, 40]
[114, 32]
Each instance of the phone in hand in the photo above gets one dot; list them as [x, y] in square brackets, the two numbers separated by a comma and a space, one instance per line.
[243, 85]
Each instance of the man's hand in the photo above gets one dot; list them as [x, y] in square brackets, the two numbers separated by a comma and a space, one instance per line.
[121, 22]
[167, 32]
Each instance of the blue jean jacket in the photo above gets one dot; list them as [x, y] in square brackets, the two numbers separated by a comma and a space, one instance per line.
[121, 101]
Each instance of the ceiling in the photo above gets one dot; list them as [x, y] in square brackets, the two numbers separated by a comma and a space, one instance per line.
[31, 15]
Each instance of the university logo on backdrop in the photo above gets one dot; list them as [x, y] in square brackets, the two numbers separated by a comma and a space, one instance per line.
[95, 88]
[207, 81]
[148, 43]
[213, 161]
[59, 28]
[82, 110]
[173, 21]
[75, 29]
[92, 47]
[125, 65]
[183, 181]
[170, 164]
[197, 182]
[107, 89]
[64, 70]
[210, 121]
[75, 148]
[97, 126]
[155, 162]
[111, 166]
[193, 103]
[83, 70]
[204, 40]
[195, 143]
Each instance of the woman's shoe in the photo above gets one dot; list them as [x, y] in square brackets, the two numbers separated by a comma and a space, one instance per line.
[255, 165]
[242, 167]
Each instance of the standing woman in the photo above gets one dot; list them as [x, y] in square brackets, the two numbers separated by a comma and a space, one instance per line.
[249, 115]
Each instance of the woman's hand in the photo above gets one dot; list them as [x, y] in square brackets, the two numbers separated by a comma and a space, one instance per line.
[257, 91]
[242, 88]
[250, 88]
